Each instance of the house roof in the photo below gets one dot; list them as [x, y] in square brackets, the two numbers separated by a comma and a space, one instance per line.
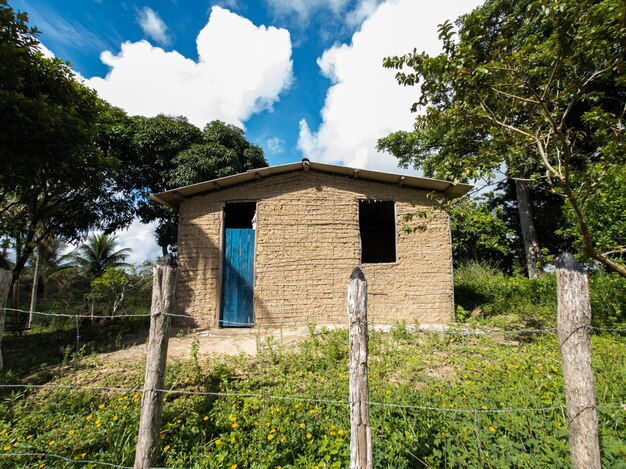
[172, 198]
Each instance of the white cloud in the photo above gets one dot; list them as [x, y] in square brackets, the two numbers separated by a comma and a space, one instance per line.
[364, 102]
[241, 70]
[47, 53]
[275, 145]
[303, 9]
[140, 238]
[153, 26]
[362, 10]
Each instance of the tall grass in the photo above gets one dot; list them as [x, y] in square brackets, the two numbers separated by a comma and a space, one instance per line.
[482, 290]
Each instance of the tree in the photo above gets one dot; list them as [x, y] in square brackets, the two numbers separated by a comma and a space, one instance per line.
[54, 179]
[116, 285]
[537, 84]
[99, 253]
[172, 153]
[480, 232]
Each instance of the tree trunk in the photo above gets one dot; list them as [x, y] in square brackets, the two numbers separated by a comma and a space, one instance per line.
[33, 292]
[15, 292]
[529, 234]
[5, 282]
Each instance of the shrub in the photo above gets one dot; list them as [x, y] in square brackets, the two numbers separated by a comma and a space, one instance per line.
[481, 286]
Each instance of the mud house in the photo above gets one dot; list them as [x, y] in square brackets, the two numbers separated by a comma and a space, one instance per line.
[276, 245]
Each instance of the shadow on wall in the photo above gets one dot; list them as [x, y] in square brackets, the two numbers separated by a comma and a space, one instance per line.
[199, 286]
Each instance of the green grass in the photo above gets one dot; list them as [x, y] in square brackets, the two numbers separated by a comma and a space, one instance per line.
[495, 297]
[407, 368]
[434, 396]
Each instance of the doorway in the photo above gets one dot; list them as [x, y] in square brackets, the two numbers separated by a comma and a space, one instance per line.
[238, 265]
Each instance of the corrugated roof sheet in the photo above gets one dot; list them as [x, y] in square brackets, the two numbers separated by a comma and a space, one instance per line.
[172, 198]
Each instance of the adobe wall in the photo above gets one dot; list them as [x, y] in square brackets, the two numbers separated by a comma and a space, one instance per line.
[307, 243]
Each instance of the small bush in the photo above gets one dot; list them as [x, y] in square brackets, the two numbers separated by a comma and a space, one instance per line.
[608, 299]
[481, 286]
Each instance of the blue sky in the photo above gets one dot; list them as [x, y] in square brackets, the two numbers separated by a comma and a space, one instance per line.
[302, 77]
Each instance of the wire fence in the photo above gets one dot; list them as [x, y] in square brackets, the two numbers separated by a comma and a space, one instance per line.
[463, 333]
[329, 320]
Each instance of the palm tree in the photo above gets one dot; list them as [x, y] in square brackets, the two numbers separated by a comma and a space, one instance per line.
[97, 254]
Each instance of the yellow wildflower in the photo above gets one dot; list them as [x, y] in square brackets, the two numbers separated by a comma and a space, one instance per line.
[89, 417]
[52, 442]
[267, 424]
[235, 425]
[115, 417]
[28, 437]
[340, 432]
[7, 448]
[271, 436]
[283, 439]
[71, 432]
[82, 455]
[218, 442]
[43, 464]
[297, 406]
[101, 406]
[312, 411]
[309, 436]
[233, 418]
[124, 407]
[302, 425]
[206, 417]
[492, 429]
[388, 392]
[166, 447]
[234, 466]
[484, 407]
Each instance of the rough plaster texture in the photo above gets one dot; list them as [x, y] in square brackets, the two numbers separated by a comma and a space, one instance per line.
[307, 243]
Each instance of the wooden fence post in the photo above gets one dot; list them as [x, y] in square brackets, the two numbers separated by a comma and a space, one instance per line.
[163, 283]
[361, 452]
[573, 321]
[5, 284]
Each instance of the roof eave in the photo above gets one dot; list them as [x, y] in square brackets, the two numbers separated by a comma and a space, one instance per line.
[172, 198]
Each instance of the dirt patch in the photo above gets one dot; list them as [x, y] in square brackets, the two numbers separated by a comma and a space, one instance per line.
[215, 341]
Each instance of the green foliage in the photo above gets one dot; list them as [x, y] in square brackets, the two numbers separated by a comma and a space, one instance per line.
[480, 231]
[533, 85]
[117, 288]
[242, 426]
[165, 152]
[97, 255]
[54, 179]
[486, 291]
[604, 209]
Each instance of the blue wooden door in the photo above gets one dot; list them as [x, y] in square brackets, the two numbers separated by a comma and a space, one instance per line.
[237, 282]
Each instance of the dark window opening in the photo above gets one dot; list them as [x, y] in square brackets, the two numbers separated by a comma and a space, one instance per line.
[377, 224]
[239, 214]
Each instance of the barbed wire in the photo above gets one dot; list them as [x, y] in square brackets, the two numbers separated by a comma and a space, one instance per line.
[334, 320]
[339, 402]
